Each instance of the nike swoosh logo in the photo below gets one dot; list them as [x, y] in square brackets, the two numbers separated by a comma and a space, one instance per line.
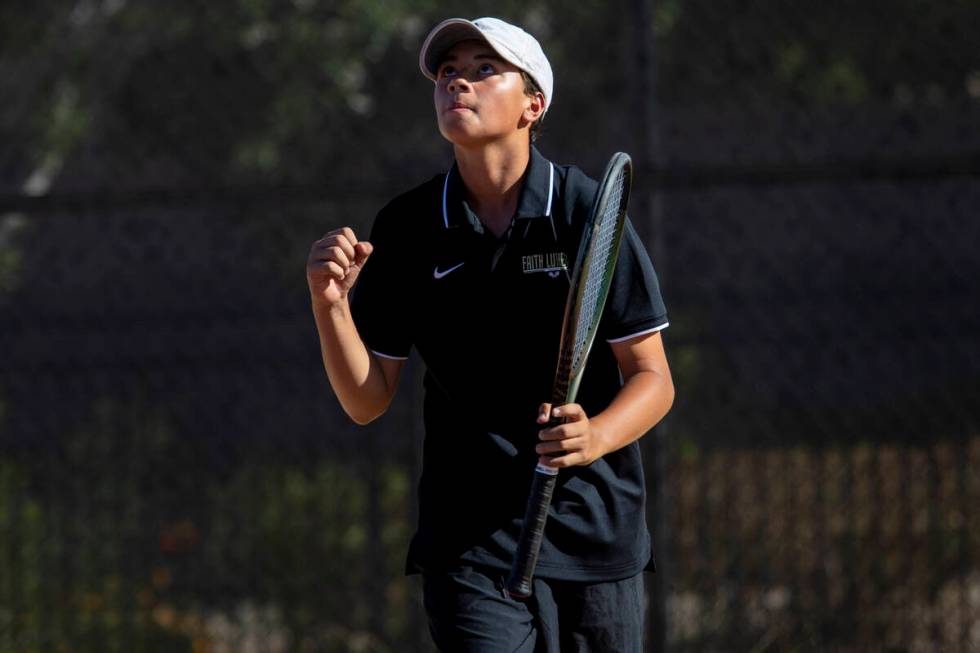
[439, 275]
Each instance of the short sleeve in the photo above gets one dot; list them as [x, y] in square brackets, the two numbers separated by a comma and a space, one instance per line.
[378, 299]
[634, 305]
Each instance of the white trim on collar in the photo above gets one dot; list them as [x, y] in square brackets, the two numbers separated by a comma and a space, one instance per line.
[547, 210]
[445, 187]
[551, 188]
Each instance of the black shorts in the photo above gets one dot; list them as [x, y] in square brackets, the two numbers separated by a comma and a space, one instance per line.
[469, 613]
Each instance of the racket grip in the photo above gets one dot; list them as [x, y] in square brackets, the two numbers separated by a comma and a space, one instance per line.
[532, 532]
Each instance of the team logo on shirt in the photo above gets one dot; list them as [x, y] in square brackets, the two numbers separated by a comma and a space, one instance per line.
[554, 263]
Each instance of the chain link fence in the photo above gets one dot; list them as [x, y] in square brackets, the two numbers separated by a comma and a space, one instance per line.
[175, 474]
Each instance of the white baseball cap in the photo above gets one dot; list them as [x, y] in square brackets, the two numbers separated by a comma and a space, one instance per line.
[509, 41]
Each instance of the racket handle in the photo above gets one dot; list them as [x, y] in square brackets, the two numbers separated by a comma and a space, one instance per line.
[532, 532]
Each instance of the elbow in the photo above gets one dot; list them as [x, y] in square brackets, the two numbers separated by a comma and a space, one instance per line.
[364, 414]
[361, 420]
[364, 417]
[370, 399]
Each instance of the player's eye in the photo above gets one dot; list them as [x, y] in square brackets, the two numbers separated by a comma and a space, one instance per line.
[487, 69]
[446, 70]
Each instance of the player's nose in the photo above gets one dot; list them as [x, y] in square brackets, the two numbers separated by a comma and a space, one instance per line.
[458, 85]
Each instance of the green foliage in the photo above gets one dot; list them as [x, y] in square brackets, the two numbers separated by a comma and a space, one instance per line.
[305, 540]
[316, 92]
[824, 54]
[817, 549]
[282, 91]
[666, 15]
[163, 553]
[67, 123]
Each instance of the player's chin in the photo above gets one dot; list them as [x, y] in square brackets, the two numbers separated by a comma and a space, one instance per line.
[457, 133]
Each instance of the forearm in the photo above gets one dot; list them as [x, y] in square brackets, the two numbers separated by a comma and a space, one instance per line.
[354, 373]
[640, 404]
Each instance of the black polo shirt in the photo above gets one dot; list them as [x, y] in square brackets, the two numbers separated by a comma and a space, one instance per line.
[485, 314]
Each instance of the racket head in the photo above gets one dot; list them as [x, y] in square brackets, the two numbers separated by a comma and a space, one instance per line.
[592, 275]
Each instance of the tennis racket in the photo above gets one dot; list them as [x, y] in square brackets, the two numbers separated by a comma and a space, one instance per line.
[591, 276]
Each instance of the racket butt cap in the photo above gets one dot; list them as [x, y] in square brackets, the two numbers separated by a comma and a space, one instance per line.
[519, 593]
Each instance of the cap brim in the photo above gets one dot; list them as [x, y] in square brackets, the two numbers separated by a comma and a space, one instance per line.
[444, 36]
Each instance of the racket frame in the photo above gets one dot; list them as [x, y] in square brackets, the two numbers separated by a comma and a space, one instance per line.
[571, 367]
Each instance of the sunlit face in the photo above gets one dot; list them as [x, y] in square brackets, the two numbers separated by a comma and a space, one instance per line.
[479, 97]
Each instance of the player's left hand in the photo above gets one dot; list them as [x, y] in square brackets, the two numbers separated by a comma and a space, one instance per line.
[572, 443]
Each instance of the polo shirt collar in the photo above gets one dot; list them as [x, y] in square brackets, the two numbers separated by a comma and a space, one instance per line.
[534, 202]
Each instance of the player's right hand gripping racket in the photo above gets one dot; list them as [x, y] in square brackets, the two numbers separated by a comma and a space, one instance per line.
[591, 276]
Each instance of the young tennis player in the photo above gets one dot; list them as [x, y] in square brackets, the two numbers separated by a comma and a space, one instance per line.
[472, 270]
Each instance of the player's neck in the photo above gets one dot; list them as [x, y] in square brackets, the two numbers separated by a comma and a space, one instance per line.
[493, 176]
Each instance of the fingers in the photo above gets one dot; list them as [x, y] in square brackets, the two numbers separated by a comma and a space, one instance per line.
[564, 444]
[569, 460]
[344, 232]
[338, 251]
[569, 412]
[543, 411]
[556, 447]
[362, 251]
[561, 437]
[572, 417]
[335, 270]
[341, 239]
[338, 255]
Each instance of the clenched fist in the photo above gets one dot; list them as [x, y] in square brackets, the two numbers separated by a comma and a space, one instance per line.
[334, 263]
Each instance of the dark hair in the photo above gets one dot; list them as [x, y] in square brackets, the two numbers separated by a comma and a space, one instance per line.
[530, 88]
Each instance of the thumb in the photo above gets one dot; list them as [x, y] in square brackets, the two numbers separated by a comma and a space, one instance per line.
[362, 250]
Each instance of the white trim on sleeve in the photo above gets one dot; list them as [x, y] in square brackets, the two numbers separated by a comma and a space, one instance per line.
[394, 358]
[640, 333]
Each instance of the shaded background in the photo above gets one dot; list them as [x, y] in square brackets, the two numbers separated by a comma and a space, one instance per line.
[175, 474]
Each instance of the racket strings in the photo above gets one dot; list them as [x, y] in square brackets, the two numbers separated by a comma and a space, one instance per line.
[600, 268]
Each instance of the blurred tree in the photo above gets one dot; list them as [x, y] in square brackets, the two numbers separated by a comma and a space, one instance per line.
[191, 94]
[837, 52]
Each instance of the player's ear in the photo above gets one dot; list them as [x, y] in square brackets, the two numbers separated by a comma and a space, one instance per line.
[534, 107]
